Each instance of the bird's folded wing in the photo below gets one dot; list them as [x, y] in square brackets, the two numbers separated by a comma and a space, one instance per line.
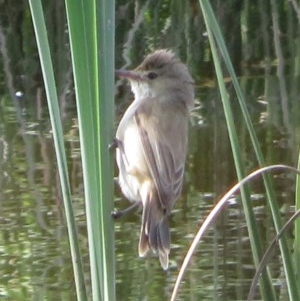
[164, 148]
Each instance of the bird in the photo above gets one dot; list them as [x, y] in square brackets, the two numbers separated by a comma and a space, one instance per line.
[152, 142]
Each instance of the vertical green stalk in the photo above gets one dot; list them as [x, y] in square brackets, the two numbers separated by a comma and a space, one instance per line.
[297, 229]
[91, 28]
[105, 33]
[212, 27]
[286, 258]
[50, 87]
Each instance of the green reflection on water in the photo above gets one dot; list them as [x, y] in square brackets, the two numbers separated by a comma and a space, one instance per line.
[34, 253]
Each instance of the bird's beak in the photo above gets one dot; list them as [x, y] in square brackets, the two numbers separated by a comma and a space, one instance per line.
[133, 75]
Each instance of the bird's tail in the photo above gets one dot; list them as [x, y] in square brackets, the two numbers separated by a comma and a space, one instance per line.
[155, 233]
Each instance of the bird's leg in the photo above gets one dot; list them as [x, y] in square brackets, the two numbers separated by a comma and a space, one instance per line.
[118, 144]
[119, 213]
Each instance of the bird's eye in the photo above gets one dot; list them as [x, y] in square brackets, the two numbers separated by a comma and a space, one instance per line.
[152, 75]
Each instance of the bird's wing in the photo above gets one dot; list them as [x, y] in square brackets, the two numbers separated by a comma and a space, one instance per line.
[164, 141]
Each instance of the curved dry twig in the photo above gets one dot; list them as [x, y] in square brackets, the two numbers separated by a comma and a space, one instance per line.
[214, 213]
[265, 259]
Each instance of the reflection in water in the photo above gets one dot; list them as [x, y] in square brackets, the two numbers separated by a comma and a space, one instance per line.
[34, 253]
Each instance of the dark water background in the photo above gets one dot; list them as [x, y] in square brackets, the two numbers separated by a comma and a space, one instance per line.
[34, 252]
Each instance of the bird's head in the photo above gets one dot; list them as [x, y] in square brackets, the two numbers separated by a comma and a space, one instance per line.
[162, 75]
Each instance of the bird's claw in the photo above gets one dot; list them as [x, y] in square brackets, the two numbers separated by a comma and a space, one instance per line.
[114, 144]
[116, 214]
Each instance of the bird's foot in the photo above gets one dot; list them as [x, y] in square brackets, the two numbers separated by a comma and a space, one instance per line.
[116, 214]
[115, 143]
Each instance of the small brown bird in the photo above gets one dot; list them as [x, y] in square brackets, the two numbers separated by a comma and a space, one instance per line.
[152, 142]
